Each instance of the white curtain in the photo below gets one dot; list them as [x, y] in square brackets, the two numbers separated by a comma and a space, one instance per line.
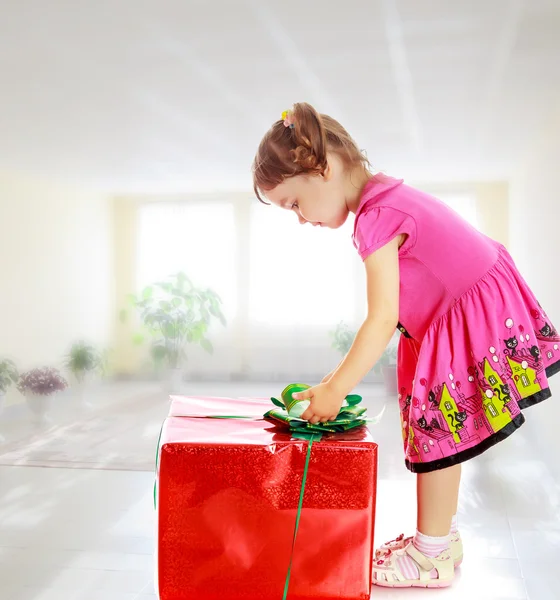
[303, 281]
[199, 239]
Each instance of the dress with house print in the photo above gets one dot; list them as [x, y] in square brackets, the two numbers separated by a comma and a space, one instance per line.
[476, 347]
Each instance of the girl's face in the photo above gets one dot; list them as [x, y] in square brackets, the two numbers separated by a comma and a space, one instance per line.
[316, 199]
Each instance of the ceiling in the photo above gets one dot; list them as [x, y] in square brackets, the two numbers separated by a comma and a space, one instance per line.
[174, 95]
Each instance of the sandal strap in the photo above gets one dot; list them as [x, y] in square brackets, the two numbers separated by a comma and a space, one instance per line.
[423, 561]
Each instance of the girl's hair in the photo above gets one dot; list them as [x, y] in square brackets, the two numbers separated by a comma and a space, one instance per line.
[288, 151]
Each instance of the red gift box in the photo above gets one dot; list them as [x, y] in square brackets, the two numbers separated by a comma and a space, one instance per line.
[227, 494]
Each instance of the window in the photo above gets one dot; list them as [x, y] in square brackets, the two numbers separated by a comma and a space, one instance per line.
[492, 409]
[448, 405]
[292, 267]
[492, 380]
[525, 380]
[464, 204]
[197, 238]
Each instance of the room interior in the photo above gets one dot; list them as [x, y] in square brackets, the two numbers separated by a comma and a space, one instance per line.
[127, 135]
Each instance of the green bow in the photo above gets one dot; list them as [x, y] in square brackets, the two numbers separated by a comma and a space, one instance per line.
[351, 415]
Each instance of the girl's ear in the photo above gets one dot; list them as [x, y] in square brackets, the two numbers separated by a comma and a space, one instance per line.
[328, 172]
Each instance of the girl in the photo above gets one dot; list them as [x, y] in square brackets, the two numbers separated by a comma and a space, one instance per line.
[476, 347]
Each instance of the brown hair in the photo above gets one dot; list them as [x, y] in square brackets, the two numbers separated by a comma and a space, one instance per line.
[286, 151]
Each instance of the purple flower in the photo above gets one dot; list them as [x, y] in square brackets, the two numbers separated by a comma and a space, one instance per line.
[44, 382]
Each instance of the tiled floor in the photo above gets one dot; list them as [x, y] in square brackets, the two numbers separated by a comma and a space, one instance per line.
[87, 533]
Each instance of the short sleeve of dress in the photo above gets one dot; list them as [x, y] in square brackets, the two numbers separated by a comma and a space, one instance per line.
[377, 226]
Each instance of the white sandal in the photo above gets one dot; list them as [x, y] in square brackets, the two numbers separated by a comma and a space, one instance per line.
[386, 571]
[455, 547]
[388, 547]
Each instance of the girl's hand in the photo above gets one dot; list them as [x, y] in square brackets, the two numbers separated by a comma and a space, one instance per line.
[325, 403]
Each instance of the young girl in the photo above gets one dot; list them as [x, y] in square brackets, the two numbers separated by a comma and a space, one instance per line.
[476, 347]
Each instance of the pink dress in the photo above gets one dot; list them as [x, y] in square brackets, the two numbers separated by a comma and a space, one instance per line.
[476, 347]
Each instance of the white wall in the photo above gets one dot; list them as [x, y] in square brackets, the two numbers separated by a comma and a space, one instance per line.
[56, 273]
[535, 210]
[535, 245]
[492, 203]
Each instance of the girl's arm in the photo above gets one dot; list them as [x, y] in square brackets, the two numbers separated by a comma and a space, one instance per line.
[327, 377]
[382, 270]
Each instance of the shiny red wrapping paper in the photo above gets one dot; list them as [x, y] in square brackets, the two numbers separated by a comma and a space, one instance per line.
[227, 495]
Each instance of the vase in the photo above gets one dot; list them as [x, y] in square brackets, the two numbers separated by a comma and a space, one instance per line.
[39, 406]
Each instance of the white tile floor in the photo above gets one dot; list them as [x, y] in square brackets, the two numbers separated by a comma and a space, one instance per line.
[87, 534]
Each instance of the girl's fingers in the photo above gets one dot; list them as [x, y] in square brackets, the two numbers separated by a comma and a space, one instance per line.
[307, 414]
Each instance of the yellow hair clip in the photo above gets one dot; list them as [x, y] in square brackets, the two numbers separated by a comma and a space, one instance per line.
[288, 118]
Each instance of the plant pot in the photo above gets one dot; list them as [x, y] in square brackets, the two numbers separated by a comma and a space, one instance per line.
[39, 406]
[80, 387]
[174, 381]
[2, 400]
[390, 379]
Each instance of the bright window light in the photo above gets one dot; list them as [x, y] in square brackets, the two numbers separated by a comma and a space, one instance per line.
[300, 275]
[197, 238]
[464, 205]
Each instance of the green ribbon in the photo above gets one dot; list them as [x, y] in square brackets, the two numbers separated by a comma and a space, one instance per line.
[312, 438]
[157, 464]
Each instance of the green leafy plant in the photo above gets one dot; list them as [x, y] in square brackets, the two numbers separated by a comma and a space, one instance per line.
[8, 375]
[176, 313]
[84, 358]
[343, 338]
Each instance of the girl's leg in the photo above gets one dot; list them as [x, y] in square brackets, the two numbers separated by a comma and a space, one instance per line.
[437, 496]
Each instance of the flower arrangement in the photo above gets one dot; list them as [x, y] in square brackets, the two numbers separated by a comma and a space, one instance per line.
[42, 382]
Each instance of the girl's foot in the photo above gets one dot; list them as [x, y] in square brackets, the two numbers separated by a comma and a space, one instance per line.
[455, 547]
[408, 567]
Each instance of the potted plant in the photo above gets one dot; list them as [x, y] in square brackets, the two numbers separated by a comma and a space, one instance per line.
[8, 377]
[174, 314]
[83, 361]
[386, 366]
[38, 386]
[342, 338]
